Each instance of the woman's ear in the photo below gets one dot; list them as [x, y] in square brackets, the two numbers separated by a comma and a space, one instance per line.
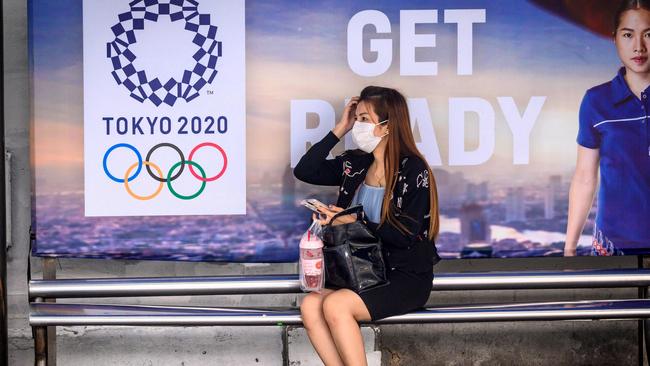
[383, 130]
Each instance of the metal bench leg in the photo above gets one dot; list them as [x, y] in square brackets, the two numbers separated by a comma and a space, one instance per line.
[49, 273]
[646, 338]
[40, 346]
[40, 343]
[45, 337]
[285, 344]
[51, 346]
[644, 324]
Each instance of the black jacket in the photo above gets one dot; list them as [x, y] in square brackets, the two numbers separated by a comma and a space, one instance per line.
[410, 252]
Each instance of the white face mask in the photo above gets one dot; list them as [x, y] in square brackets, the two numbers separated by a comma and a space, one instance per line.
[363, 135]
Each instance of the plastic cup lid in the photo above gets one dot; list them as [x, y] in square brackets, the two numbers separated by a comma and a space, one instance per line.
[313, 243]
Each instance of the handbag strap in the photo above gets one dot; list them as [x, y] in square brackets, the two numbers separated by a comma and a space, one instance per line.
[357, 209]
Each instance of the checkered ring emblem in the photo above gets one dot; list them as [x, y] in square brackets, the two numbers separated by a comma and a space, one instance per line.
[144, 87]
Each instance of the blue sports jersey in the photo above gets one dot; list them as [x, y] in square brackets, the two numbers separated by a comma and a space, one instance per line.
[615, 121]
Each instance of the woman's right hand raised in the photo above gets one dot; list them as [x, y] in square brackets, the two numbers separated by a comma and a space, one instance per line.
[347, 119]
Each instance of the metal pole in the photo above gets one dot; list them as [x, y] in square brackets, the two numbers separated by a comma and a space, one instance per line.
[4, 356]
[40, 346]
[644, 324]
[49, 273]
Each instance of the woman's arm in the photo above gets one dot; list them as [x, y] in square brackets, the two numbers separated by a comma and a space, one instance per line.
[314, 167]
[581, 196]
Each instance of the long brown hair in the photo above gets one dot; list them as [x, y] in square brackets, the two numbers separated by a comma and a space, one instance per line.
[390, 105]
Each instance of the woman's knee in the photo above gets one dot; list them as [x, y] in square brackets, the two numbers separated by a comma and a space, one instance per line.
[311, 309]
[344, 305]
[335, 309]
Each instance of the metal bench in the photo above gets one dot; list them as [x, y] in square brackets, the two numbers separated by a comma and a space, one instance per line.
[49, 314]
[43, 314]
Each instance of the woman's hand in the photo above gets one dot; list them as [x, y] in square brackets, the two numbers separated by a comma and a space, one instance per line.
[347, 119]
[328, 212]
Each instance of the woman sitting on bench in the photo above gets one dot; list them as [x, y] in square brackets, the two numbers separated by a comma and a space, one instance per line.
[396, 187]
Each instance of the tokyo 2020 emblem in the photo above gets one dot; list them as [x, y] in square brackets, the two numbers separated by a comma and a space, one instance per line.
[142, 86]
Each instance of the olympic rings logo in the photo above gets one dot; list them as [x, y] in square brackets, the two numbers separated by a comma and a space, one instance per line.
[134, 170]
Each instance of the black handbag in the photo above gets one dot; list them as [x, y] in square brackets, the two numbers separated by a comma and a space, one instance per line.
[353, 254]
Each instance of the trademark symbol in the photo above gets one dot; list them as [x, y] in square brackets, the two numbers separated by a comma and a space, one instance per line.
[210, 92]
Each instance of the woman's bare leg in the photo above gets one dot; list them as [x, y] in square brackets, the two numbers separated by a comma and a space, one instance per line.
[318, 331]
[343, 310]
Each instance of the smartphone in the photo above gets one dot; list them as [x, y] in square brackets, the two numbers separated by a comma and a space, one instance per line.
[316, 202]
[312, 204]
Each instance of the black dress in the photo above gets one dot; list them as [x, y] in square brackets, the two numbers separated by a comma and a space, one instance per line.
[410, 257]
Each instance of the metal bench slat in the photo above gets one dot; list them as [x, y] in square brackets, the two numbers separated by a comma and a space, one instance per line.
[58, 314]
[164, 286]
[270, 284]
